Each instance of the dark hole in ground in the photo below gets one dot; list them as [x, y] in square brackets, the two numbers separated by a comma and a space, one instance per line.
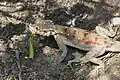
[12, 29]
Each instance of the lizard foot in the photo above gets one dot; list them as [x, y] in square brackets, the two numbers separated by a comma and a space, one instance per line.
[106, 33]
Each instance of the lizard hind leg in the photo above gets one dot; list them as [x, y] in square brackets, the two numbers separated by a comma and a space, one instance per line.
[92, 55]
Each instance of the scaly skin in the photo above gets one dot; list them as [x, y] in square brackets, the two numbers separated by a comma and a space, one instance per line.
[76, 35]
[78, 38]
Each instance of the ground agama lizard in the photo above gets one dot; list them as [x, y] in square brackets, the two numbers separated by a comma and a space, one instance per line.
[78, 38]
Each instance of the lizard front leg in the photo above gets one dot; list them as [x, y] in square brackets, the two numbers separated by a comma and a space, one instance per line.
[63, 48]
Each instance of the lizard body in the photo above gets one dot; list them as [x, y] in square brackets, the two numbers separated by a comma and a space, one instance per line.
[72, 33]
[78, 38]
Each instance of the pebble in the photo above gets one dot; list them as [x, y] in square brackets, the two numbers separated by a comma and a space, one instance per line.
[96, 0]
[3, 47]
[19, 6]
[115, 21]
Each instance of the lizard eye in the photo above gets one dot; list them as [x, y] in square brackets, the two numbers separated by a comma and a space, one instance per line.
[37, 28]
[45, 31]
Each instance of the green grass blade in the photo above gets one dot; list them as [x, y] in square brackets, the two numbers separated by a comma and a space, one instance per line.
[31, 45]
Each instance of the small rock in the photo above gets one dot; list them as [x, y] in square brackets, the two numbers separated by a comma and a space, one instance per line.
[96, 0]
[11, 45]
[47, 51]
[19, 6]
[3, 46]
[115, 21]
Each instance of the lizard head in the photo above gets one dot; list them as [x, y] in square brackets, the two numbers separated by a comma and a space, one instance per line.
[47, 31]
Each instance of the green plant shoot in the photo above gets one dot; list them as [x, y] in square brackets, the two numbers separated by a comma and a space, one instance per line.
[31, 45]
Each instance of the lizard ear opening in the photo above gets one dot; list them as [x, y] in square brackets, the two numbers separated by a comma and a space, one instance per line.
[36, 28]
[45, 31]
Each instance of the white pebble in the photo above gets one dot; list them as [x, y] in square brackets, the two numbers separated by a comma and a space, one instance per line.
[96, 0]
[19, 6]
[115, 21]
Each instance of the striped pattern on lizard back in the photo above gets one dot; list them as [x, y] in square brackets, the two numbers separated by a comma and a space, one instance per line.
[72, 33]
